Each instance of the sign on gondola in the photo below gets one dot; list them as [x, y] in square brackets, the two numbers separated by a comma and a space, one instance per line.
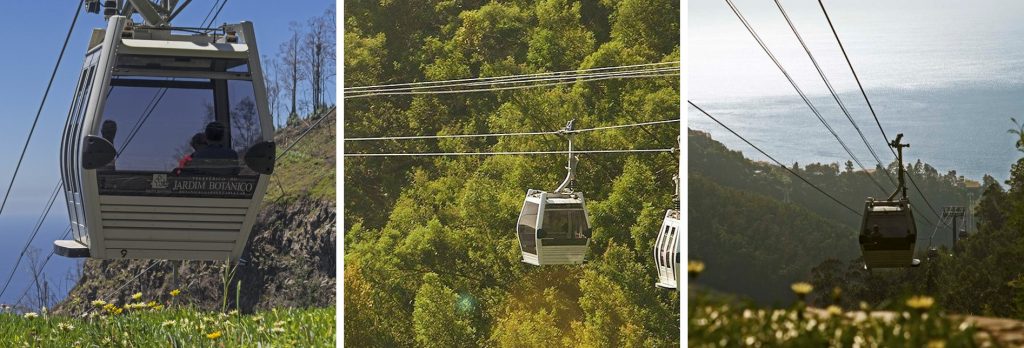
[169, 185]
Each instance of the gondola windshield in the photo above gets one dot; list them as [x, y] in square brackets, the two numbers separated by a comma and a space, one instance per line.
[565, 221]
[180, 136]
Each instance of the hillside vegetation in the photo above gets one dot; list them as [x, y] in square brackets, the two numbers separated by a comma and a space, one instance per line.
[760, 228]
[981, 276]
[431, 255]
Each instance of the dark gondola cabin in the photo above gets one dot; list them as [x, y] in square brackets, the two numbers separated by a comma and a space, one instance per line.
[553, 228]
[666, 251]
[889, 234]
[168, 146]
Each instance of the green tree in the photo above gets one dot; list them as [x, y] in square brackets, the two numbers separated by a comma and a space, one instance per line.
[437, 319]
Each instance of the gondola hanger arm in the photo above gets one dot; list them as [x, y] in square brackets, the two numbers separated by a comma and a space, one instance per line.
[570, 179]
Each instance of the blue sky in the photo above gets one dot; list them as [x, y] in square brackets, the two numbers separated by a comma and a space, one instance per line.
[26, 65]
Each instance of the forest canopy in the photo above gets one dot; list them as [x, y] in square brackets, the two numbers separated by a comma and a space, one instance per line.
[431, 255]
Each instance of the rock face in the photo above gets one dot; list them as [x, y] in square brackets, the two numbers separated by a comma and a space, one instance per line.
[289, 260]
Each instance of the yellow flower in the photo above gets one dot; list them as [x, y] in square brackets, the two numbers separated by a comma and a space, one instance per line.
[920, 302]
[136, 295]
[801, 288]
[158, 307]
[213, 335]
[936, 343]
[99, 303]
[834, 310]
[694, 268]
[175, 292]
[167, 323]
[31, 315]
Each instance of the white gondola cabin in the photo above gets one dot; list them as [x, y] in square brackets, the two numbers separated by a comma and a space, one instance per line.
[553, 228]
[666, 251]
[168, 146]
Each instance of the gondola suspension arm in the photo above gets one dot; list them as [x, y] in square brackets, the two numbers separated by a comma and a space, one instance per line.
[569, 183]
[901, 187]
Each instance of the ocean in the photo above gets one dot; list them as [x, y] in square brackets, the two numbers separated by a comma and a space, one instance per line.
[949, 75]
[961, 128]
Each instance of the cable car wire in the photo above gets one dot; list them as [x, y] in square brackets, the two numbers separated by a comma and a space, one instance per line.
[501, 78]
[868, 101]
[125, 284]
[496, 153]
[832, 90]
[208, 14]
[512, 79]
[215, 15]
[412, 137]
[651, 75]
[323, 116]
[774, 160]
[35, 122]
[67, 232]
[35, 231]
[801, 92]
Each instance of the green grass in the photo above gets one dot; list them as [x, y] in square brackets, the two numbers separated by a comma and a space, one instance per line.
[172, 328]
[724, 322]
[308, 170]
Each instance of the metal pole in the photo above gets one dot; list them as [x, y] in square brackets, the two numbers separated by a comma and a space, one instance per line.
[954, 233]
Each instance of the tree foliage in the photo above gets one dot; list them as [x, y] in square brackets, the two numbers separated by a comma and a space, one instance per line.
[420, 230]
[758, 228]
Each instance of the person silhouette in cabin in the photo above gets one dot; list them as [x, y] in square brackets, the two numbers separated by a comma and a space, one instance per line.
[108, 130]
[216, 158]
[198, 142]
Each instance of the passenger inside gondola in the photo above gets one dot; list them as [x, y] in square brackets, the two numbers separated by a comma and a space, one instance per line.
[216, 158]
[108, 131]
[563, 224]
[197, 143]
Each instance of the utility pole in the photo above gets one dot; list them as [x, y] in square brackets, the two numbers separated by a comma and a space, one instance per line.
[953, 212]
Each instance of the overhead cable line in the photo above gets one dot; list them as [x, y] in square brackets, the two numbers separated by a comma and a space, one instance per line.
[506, 77]
[208, 14]
[67, 232]
[215, 15]
[493, 89]
[556, 152]
[414, 137]
[774, 160]
[832, 91]
[323, 116]
[35, 231]
[801, 93]
[132, 280]
[868, 101]
[35, 122]
[511, 79]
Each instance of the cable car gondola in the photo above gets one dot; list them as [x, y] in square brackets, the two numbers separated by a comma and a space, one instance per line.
[553, 227]
[666, 246]
[168, 146]
[888, 233]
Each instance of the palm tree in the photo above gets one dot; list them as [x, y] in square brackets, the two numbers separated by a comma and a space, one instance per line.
[1019, 132]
